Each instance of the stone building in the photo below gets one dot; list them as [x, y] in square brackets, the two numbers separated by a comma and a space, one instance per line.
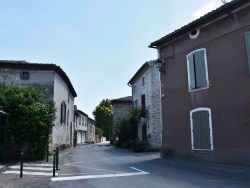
[57, 87]
[146, 93]
[121, 108]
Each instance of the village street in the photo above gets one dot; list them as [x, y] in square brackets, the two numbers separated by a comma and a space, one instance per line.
[102, 165]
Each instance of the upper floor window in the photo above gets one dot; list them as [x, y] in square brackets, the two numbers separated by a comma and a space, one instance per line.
[143, 81]
[247, 36]
[201, 129]
[25, 75]
[134, 89]
[197, 69]
[63, 113]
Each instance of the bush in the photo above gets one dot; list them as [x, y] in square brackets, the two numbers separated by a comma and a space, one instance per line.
[139, 146]
[31, 117]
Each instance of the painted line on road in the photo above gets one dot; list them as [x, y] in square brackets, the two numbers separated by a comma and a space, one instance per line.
[34, 164]
[31, 173]
[101, 176]
[31, 168]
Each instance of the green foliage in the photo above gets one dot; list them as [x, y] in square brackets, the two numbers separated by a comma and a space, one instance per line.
[126, 131]
[139, 146]
[103, 117]
[139, 112]
[31, 117]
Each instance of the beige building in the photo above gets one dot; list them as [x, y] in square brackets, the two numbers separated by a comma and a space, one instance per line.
[57, 87]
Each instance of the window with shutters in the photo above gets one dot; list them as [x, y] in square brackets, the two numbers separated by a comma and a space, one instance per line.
[197, 70]
[63, 113]
[247, 36]
[201, 129]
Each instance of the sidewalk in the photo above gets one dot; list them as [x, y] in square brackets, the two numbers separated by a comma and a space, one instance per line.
[2, 167]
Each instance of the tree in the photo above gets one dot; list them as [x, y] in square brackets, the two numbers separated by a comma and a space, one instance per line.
[31, 117]
[103, 117]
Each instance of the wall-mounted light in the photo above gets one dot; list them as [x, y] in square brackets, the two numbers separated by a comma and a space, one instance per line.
[160, 65]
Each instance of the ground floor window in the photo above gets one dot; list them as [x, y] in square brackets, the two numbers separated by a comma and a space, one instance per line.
[201, 129]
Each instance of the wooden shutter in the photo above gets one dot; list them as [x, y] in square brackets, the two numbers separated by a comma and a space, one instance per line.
[201, 130]
[191, 71]
[200, 68]
[247, 36]
[196, 130]
[61, 112]
[205, 130]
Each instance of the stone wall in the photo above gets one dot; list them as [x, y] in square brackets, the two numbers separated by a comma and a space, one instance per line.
[151, 89]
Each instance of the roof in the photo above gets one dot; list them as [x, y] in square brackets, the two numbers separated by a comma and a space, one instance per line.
[127, 99]
[81, 112]
[227, 8]
[144, 66]
[21, 64]
[91, 119]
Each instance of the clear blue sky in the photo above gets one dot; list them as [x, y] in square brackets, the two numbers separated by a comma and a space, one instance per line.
[100, 44]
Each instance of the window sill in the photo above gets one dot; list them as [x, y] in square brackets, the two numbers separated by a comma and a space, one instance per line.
[198, 89]
[202, 150]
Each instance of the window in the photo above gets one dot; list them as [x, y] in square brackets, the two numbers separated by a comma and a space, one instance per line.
[143, 81]
[63, 113]
[143, 101]
[201, 129]
[67, 117]
[134, 89]
[197, 69]
[247, 36]
[90, 129]
[193, 34]
[135, 104]
[25, 75]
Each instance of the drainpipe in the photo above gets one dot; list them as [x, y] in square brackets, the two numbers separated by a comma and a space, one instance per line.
[158, 54]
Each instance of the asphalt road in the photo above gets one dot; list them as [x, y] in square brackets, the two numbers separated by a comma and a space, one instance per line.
[101, 165]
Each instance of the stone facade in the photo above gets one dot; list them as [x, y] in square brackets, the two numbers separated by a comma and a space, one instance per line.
[146, 92]
[121, 108]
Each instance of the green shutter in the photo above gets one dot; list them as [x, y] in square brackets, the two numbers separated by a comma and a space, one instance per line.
[201, 130]
[196, 130]
[200, 68]
[205, 130]
[191, 71]
[247, 36]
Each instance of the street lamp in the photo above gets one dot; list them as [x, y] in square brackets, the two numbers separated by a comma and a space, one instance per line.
[160, 65]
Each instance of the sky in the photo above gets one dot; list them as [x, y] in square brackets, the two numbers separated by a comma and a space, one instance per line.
[100, 44]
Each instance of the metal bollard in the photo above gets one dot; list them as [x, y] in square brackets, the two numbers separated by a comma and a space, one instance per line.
[54, 163]
[21, 164]
[47, 157]
[57, 157]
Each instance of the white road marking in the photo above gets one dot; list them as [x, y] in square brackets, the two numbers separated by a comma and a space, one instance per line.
[31, 173]
[101, 176]
[34, 164]
[31, 168]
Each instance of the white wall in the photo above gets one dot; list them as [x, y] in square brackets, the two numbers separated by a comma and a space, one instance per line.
[61, 132]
